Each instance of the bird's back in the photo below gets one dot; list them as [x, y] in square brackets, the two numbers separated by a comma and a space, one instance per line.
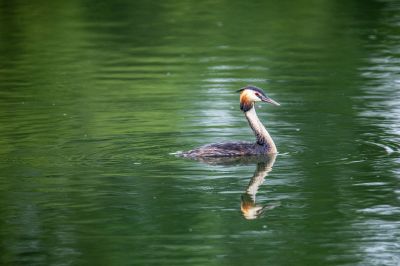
[227, 149]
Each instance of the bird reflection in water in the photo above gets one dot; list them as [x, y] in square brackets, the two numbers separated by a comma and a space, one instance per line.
[250, 209]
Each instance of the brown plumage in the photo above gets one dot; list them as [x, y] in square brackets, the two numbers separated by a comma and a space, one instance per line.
[264, 144]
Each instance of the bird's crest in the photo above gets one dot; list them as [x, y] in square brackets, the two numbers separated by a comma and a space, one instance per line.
[246, 95]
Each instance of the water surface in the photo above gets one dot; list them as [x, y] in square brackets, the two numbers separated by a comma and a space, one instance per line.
[95, 97]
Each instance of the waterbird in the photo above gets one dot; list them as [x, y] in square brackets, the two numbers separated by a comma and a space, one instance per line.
[264, 144]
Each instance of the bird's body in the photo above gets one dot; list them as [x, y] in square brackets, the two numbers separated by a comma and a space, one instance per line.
[264, 144]
[228, 149]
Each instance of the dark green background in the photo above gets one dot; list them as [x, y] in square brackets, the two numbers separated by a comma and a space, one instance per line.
[95, 96]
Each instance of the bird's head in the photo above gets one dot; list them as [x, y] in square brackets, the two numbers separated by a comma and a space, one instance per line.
[250, 94]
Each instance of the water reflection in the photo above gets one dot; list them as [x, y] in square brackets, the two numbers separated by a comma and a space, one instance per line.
[264, 164]
[249, 207]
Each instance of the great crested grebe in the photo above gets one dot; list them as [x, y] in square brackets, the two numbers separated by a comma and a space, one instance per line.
[264, 144]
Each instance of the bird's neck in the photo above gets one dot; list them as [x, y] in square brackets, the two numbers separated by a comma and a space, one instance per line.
[262, 135]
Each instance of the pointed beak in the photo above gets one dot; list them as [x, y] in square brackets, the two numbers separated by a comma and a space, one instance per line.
[269, 100]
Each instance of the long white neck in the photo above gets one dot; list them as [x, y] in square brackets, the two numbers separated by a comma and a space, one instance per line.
[262, 135]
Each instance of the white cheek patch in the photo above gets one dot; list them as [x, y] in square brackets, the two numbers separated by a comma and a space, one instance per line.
[252, 97]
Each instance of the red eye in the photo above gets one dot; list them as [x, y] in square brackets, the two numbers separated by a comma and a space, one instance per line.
[257, 94]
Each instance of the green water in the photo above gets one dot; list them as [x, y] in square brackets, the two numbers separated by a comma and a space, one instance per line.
[95, 97]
